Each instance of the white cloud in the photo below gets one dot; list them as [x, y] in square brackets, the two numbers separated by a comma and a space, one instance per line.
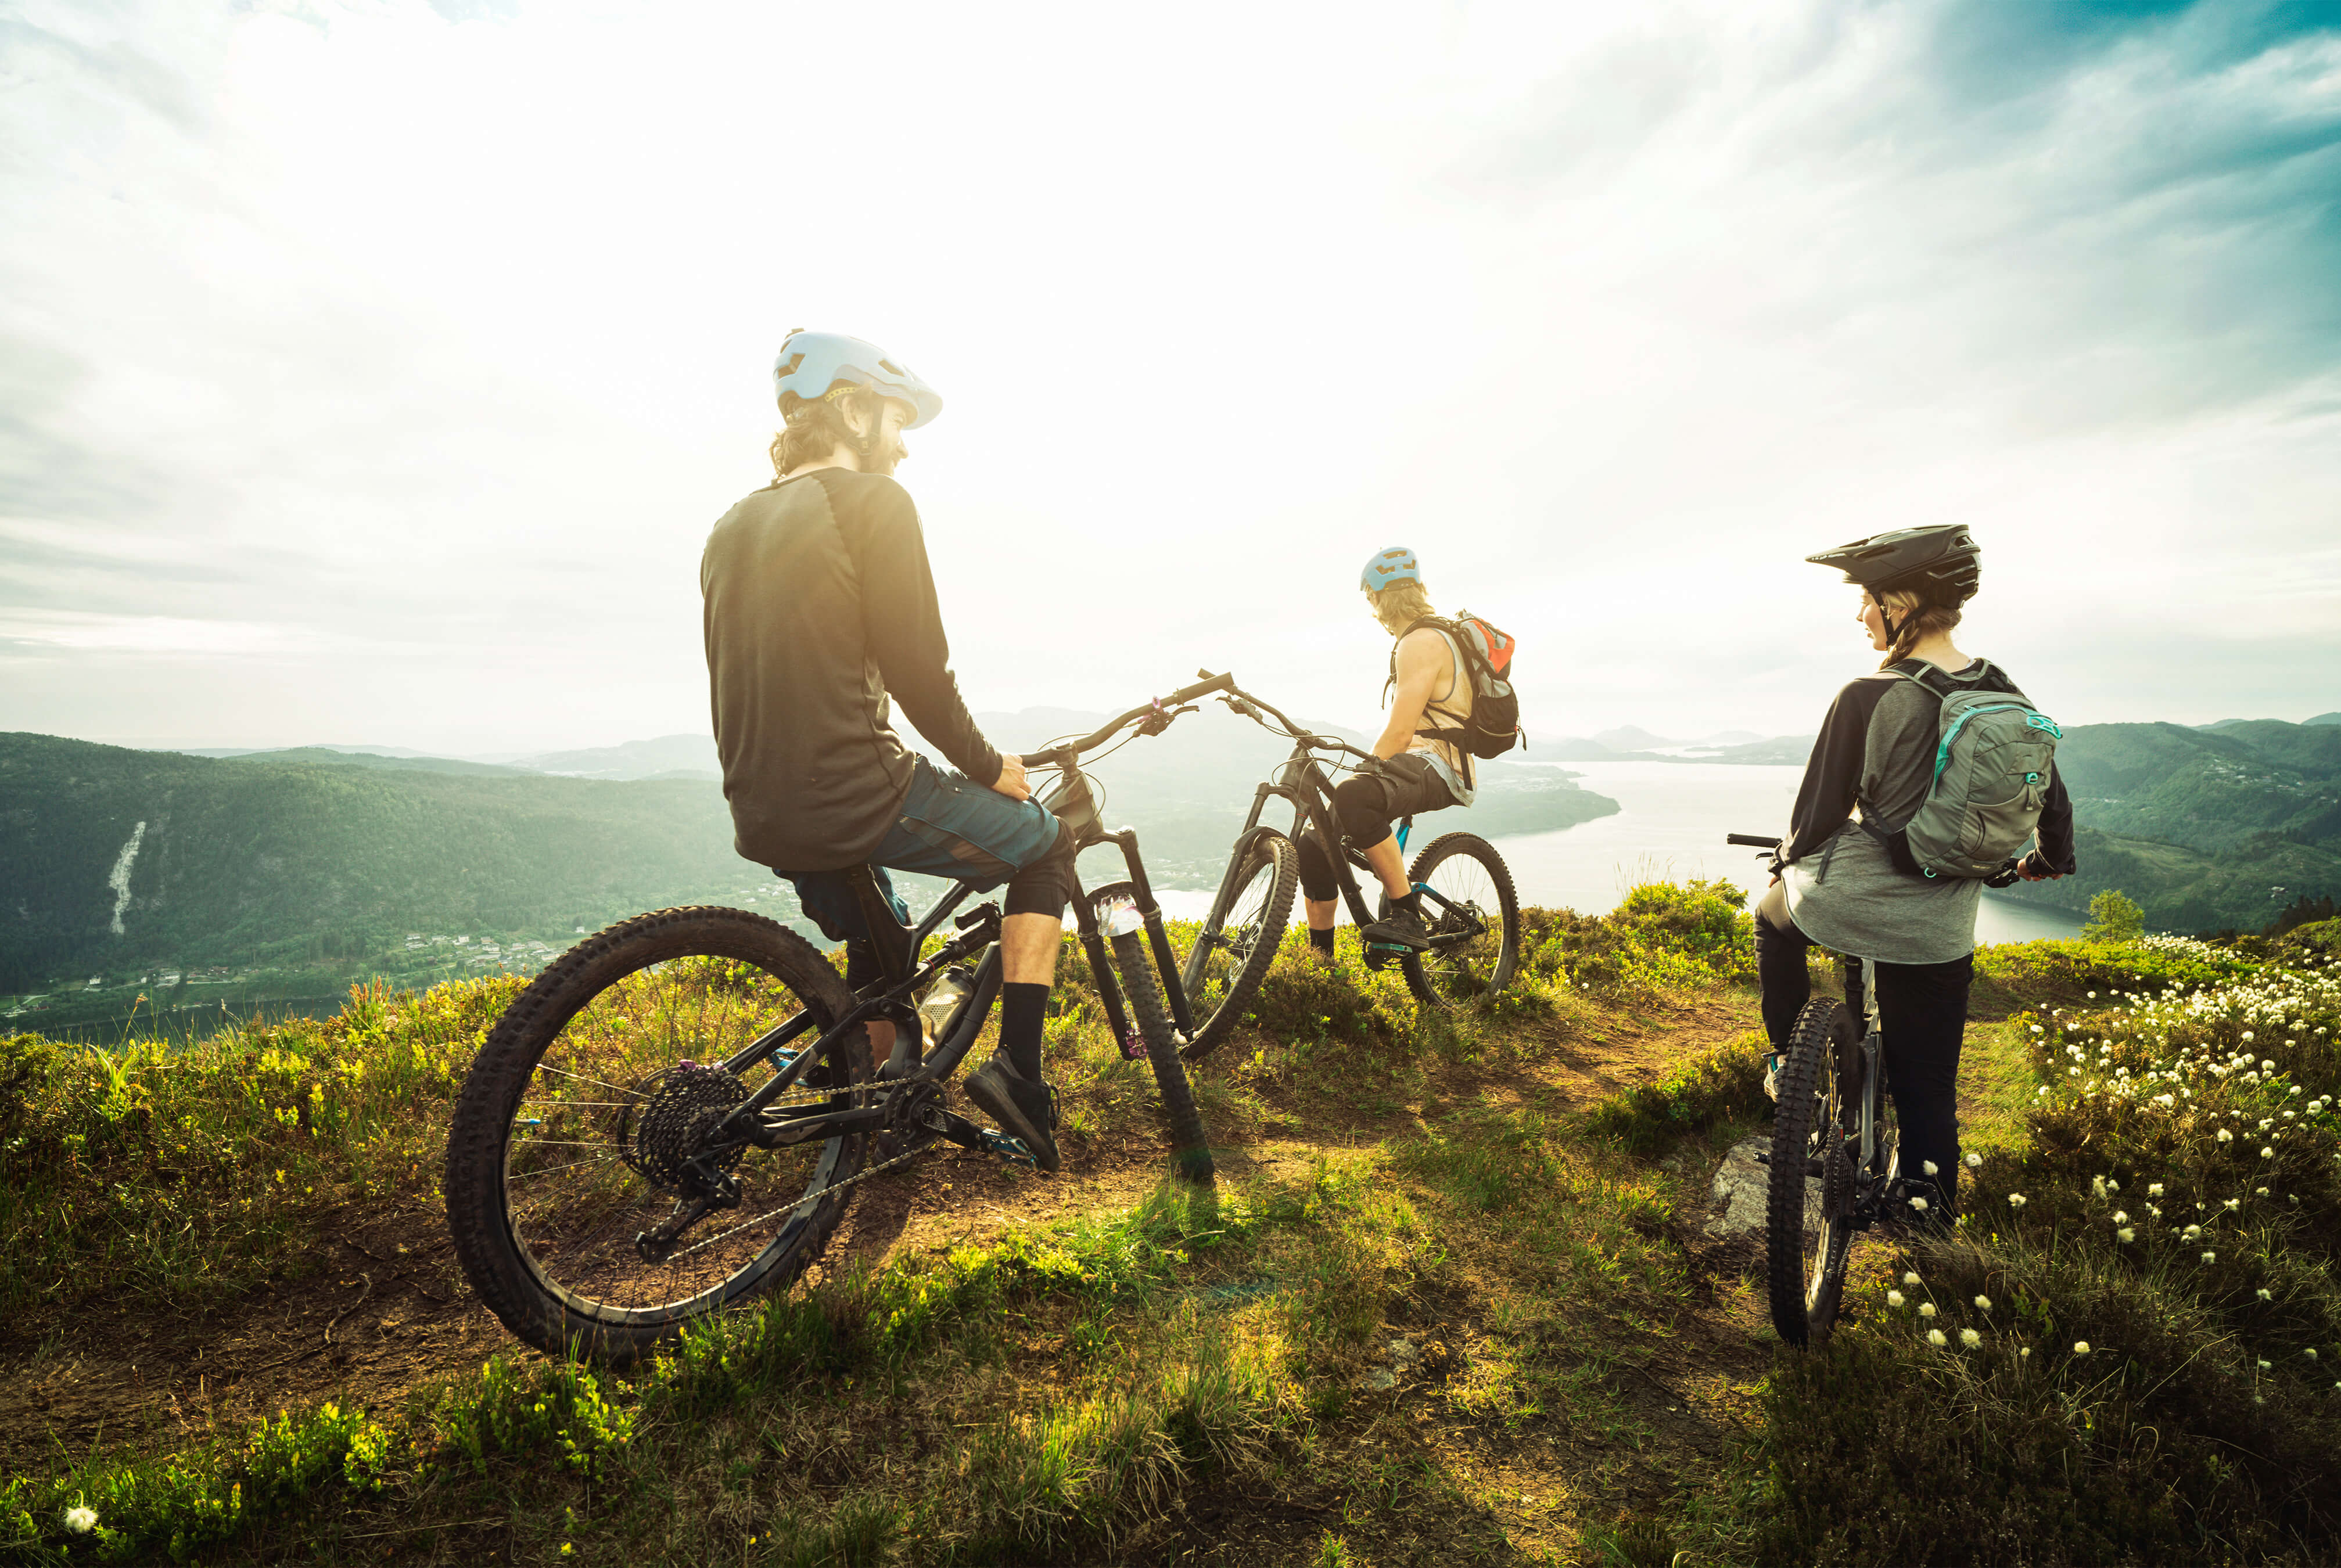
[452, 338]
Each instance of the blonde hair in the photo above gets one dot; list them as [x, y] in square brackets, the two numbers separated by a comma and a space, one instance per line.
[1399, 606]
[1916, 620]
[812, 428]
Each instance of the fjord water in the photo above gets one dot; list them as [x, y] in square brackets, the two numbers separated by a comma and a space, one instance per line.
[1670, 827]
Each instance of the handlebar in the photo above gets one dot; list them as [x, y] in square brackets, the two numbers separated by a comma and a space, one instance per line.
[1056, 755]
[1251, 707]
[1751, 840]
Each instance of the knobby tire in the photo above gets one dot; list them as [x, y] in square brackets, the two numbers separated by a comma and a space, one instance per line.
[1192, 1154]
[1807, 1284]
[1273, 854]
[1450, 980]
[637, 956]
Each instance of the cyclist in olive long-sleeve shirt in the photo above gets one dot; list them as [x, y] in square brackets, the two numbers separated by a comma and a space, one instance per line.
[820, 607]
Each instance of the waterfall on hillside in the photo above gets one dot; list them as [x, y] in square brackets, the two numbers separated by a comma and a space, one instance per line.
[120, 881]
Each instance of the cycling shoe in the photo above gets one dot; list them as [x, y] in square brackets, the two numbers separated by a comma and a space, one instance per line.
[1400, 926]
[1024, 1109]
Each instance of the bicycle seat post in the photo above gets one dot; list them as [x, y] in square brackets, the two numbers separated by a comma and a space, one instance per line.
[888, 935]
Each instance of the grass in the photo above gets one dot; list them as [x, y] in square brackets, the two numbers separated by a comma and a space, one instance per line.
[1462, 1316]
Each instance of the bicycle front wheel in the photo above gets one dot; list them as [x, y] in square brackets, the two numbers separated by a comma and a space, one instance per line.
[1806, 1242]
[1474, 920]
[1229, 953]
[1190, 1154]
[577, 1132]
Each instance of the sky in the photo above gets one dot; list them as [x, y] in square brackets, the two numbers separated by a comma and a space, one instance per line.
[373, 373]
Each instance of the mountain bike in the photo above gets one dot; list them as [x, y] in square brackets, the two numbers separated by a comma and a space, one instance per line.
[1468, 900]
[672, 1117]
[1834, 1126]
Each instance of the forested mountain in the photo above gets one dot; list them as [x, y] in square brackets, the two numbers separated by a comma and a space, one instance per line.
[112, 860]
[112, 857]
[2205, 828]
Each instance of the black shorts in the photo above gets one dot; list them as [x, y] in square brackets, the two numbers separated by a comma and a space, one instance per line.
[1364, 806]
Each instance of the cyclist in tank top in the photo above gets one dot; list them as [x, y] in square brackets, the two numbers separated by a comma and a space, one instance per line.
[1430, 696]
[1836, 882]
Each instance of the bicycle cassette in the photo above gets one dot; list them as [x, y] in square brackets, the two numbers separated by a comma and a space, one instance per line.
[661, 1136]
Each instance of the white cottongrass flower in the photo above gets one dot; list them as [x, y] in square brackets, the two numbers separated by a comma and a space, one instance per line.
[1912, 1280]
[1974, 1162]
[1926, 1309]
[2265, 1365]
[2016, 1200]
[1934, 1338]
[1983, 1303]
[1919, 1204]
[2267, 1294]
[2121, 1217]
[2126, 1235]
[2234, 1203]
[2153, 1191]
[2310, 1353]
[2191, 1232]
[2080, 1347]
[2248, 1036]
[2098, 1185]
[2259, 1192]
[2225, 1136]
[2024, 1354]
[2210, 1257]
[1894, 1298]
[1931, 1167]
[81, 1520]
[1970, 1338]
[2267, 1153]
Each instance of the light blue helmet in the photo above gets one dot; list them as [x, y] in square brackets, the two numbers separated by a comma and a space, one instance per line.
[810, 363]
[1396, 564]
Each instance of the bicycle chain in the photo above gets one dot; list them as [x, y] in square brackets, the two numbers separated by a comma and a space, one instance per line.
[862, 1174]
[879, 1091]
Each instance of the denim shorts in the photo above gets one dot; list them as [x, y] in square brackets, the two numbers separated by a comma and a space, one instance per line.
[948, 826]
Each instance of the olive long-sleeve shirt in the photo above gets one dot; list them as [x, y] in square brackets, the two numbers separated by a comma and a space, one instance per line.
[819, 606]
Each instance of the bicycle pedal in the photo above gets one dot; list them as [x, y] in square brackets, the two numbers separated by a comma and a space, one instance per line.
[1007, 1148]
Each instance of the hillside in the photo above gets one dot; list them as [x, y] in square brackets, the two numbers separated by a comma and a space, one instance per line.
[2206, 829]
[133, 865]
[1473, 1287]
[117, 858]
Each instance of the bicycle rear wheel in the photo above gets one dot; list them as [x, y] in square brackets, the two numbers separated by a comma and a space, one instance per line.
[1476, 927]
[1230, 953]
[573, 1135]
[1191, 1153]
[1806, 1251]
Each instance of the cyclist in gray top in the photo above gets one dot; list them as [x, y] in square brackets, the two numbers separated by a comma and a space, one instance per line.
[1838, 884]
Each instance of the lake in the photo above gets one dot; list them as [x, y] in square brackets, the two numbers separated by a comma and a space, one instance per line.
[1670, 827]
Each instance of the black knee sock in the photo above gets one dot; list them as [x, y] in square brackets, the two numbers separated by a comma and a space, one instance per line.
[1322, 940]
[1023, 1009]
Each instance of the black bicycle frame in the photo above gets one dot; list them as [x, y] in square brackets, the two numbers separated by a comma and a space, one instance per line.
[1301, 783]
[905, 976]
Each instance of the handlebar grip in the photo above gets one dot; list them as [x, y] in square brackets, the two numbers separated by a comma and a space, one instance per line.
[1751, 840]
[1203, 688]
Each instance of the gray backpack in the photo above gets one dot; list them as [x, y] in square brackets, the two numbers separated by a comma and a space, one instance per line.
[1992, 769]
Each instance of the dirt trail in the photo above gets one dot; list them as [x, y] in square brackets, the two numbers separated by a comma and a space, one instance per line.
[385, 1309]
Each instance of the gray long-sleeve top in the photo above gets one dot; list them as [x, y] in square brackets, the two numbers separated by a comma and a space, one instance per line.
[819, 606]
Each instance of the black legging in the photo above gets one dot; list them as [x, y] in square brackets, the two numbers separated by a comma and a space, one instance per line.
[1923, 1008]
[1362, 807]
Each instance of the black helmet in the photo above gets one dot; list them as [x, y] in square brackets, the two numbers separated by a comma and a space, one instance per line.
[1941, 562]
